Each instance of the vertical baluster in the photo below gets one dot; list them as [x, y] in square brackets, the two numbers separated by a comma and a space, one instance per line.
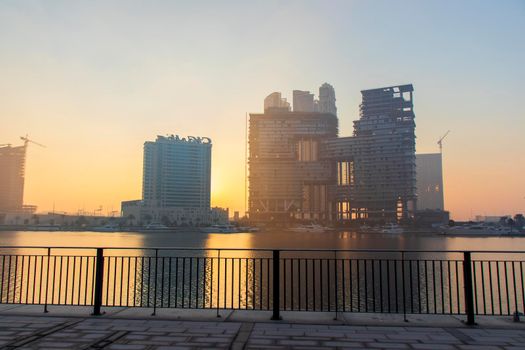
[276, 285]
[507, 286]
[358, 285]
[499, 287]
[22, 281]
[366, 284]
[457, 288]
[380, 286]
[450, 288]
[260, 282]
[47, 277]
[516, 311]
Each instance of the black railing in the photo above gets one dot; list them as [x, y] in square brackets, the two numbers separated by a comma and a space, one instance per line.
[372, 281]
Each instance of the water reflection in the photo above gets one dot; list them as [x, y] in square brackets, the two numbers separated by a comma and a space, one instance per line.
[216, 277]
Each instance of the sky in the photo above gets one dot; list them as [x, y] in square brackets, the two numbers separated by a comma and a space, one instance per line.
[94, 80]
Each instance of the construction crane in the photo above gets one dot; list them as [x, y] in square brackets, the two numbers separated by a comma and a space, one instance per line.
[5, 144]
[27, 140]
[440, 142]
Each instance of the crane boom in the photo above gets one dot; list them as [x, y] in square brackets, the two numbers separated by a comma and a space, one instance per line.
[440, 141]
[27, 140]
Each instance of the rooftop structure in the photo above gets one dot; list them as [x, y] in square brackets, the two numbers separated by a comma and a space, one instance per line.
[303, 101]
[274, 101]
[327, 99]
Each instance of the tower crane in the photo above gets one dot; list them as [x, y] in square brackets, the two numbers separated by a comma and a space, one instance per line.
[440, 142]
[27, 140]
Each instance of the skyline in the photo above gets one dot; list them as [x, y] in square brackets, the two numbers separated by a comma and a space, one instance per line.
[111, 97]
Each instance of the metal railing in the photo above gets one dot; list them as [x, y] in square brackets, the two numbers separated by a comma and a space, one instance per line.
[373, 281]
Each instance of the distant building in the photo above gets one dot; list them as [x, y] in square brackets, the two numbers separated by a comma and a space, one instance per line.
[327, 99]
[429, 181]
[374, 170]
[300, 169]
[176, 184]
[303, 101]
[236, 216]
[287, 177]
[274, 101]
[12, 169]
[177, 172]
[492, 218]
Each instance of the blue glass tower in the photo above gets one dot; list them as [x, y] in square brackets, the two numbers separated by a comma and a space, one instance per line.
[177, 172]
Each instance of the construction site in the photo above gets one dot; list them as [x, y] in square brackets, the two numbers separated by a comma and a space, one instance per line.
[299, 169]
[12, 177]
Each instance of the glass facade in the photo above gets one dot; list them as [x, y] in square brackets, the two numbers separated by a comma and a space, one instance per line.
[177, 172]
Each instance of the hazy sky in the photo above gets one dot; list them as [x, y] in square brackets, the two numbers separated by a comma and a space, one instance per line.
[93, 80]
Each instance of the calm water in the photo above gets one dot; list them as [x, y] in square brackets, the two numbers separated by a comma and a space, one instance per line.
[373, 282]
[270, 240]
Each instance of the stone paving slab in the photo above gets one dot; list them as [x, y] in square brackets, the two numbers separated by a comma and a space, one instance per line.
[48, 332]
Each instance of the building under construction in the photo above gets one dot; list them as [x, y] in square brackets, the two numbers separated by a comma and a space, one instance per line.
[288, 179]
[12, 169]
[375, 170]
[300, 169]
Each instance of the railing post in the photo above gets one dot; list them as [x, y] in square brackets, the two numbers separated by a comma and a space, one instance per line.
[99, 281]
[404, 286]
[219, 282]
[276, 286]
[47, 277]
[336, 286]
[467, 282]
[155, 284]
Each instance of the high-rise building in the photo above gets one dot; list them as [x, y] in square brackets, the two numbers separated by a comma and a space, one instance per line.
[327, 99]
[275, 101]
[300, 169]
[429, 181]
[287, 177]
[177, 172]
[303, 101]
[375, 170]
[176, 184]
[12, 169]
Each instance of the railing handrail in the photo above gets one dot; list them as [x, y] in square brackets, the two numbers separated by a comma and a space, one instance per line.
[328, 250]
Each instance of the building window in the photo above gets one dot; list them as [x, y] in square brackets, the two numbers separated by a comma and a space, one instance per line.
[315, 202]
[345, 173]
[307, 150]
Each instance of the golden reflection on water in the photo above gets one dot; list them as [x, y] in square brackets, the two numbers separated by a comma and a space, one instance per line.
[237, 278]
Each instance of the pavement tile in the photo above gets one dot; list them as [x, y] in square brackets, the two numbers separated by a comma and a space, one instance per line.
[382, 345]
[479, 347]
[419, 346]
[291, 342]
[343, 344]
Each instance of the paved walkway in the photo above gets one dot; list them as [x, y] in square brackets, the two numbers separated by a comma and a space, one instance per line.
[41, 331]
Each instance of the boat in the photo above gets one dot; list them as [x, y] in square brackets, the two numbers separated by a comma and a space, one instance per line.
[479, 230]
[106, 228]
[155, 227]
[44, 228]
[249, 229]
[310, 228]
[367, 229]
[220, 229]
[391, 228]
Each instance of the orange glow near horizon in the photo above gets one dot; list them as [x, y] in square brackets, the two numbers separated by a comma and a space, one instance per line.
[94, 80]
